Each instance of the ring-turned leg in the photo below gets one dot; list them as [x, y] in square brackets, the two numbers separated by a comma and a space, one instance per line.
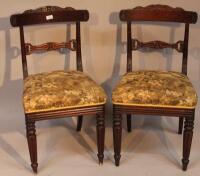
[129, 122]
[100, 136]
[187, 140]
[117, 135]
[32, 143]
[79, 123]
[180, 127]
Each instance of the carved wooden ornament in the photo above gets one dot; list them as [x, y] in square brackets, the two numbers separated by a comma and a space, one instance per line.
[50, 46]
[136, 44]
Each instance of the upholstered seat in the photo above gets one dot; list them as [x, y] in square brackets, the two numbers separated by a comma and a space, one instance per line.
[155, 88]
[60, 90]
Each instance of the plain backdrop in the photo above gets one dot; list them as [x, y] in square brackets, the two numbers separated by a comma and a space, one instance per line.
[153, 147]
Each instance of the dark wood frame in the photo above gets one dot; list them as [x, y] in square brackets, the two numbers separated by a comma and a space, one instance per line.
[38, 16]
[158, 13]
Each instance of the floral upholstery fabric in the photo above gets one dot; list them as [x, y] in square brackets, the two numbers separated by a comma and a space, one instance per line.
[60, 90]
[155, 88]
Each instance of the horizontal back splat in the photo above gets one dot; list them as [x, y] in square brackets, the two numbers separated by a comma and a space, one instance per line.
[136, 44]
[50, 46]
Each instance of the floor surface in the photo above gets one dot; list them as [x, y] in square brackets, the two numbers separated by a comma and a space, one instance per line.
[152, 148]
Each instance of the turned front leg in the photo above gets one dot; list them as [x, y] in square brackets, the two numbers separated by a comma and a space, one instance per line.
[187, 140]
[32, 143]
[117, 135]
[100, 136]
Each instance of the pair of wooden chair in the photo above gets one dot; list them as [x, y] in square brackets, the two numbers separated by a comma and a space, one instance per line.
[59, 94]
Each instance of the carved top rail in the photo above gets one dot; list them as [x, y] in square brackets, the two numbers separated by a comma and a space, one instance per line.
[49, 14]
[50, 46]
[159, 7]
[158, 13]
[136, 44]
[48, 9]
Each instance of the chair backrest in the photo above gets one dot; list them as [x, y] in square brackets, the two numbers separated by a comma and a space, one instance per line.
[158, 13]
[46, 15]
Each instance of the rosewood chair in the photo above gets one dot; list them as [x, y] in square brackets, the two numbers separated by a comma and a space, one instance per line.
[58, 94]
[150, 92]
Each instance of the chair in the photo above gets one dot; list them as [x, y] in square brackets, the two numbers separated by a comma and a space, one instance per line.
[58, 94]
[150, 92]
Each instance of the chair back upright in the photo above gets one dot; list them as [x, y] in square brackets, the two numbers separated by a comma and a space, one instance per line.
[158, 13]
[50, 15]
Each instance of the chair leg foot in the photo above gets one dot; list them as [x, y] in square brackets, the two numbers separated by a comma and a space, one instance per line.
[79, 123]
[32, 143]
[117, 159]
[184, 164]
[187, 140]
[117, 135]
[129, 123]
[100, 157]
[180, 128]
[100, 136]
[34, 167]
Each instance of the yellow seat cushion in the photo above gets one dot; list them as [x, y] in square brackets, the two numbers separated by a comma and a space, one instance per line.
[155, 88]
[60, 90]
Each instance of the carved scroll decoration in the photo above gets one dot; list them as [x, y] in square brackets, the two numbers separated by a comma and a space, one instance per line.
[136, 44]
[50, 46]
[48, 9]
[158, 7]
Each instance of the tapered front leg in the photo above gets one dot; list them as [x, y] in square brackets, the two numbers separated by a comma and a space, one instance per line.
[79, 123]
[187, 140]
[180, 128]
[117, 135]
[32, 143]
[129, 122]
[100, 136]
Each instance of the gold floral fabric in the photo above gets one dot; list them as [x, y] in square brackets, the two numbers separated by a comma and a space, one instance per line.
[155, 88]
[60, 90]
